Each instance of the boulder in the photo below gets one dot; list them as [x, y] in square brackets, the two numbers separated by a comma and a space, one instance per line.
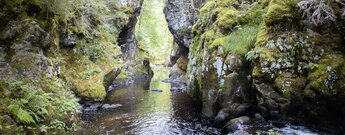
[236, 124]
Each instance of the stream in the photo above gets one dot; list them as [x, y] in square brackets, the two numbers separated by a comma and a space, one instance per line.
[151, 107]
[148, 107]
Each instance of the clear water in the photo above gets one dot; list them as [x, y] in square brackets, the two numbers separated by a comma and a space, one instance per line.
[145, 110]
[148, 112]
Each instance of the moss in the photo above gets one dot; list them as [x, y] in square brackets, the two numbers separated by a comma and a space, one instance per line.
[262, 37]
[238, 42]
[89, 72]
[268, 54]
[328, 66]
[254, 15]
[227, 19]
[91, 89]
[281, 11]
[290, 86]
[110, 77]
[207, 8]
[256, 73]
[86, 76]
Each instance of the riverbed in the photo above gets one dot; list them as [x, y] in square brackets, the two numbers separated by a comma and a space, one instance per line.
[148, 107]
[157, 107]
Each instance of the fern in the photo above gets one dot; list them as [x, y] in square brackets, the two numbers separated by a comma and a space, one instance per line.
[21, 115]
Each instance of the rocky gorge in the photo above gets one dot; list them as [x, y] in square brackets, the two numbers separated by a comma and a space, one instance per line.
[241, 60]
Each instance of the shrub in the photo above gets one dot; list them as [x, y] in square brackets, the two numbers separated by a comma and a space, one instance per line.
[317, 11]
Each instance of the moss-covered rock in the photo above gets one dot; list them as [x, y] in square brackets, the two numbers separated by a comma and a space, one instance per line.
[294, 63]
[293, 68]
[218, 71]
[51, 51]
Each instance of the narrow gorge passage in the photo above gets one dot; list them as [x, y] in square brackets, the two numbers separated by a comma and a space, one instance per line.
[157, 106]
[144, 109]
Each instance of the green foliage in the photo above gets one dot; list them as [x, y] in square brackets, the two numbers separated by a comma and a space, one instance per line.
[282, 12]
[87, 73]
[153, 35]
[313, 66]
[273, 132]
[239, 41]
[61, 8]
[235, 27]
[21, 115]
[227, 19]
[95, 52]
[252, 55]
[33, 107]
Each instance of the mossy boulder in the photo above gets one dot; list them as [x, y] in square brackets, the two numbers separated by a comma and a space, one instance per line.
[293, 69]
[281, 13]
[218, 71]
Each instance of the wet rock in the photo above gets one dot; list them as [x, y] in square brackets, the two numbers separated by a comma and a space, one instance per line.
[175, 54]
[222, 83]
[236, 124]
[258, 116]
[111, 106]
[157, 90]
[7, 119]
[91, 106]
[67, 40]
[178, 89]
[110, 77]
[240, 132]
[182, 63]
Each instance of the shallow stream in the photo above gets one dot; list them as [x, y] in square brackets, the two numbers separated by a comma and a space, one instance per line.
[153, 107]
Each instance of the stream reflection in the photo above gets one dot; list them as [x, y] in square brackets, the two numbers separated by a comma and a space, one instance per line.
[148, 107]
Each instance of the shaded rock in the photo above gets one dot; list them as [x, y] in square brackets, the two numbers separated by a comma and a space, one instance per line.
[175, 54]
[222, 83]
[236, 124]
[110, 77]
[7, 119]
[258, 116]
[181, 15]
[240, 132]
[301, 86]
[182, 63]
[126, 39]
[91, 106]
[67, 40]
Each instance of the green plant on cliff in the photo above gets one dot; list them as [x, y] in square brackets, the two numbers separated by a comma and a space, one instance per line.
[32, 107]
[239, 41]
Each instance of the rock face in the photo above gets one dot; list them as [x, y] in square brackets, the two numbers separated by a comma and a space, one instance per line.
[127, 39]
[181, 16]
[235, 124]
[218, 75]
[264, 57]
